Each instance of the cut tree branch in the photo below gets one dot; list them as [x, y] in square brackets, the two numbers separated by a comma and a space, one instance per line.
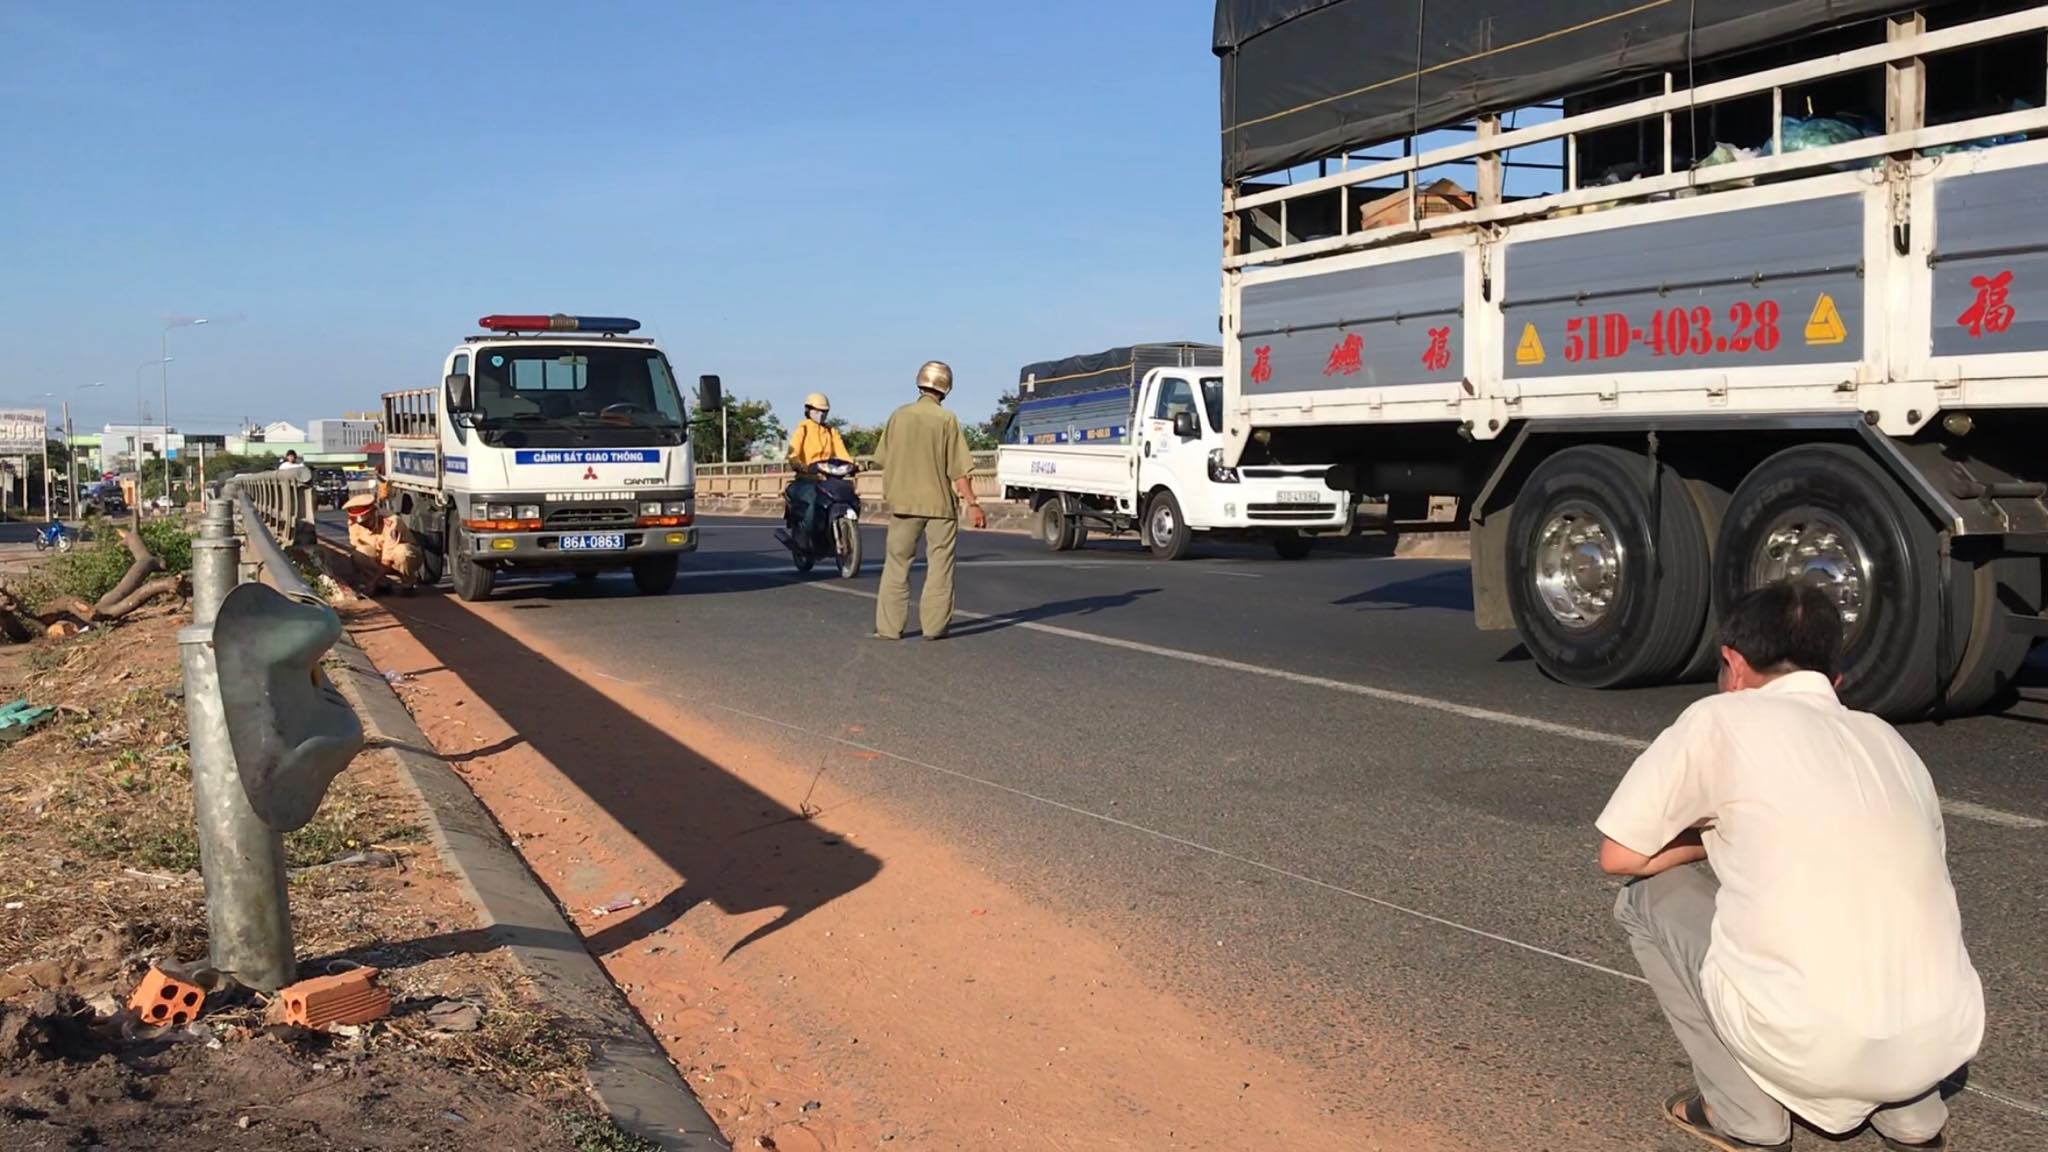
[144, 566]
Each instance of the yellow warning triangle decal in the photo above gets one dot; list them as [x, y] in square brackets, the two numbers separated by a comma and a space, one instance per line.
[1825, 325]
[1530, 350]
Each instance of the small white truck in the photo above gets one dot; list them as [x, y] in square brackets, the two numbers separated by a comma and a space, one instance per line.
[555, 443]
[1132, 438]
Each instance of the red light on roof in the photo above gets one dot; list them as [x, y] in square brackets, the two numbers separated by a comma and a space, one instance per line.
[558, 322]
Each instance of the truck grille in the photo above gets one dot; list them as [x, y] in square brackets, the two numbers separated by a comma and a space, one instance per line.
[590, 516]
[1282, 472]
[1285, 513]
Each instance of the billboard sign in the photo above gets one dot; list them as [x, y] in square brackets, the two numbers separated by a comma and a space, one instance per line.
[23, 430]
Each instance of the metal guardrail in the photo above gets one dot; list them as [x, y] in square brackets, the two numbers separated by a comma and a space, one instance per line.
[267, 732]
[766, 478]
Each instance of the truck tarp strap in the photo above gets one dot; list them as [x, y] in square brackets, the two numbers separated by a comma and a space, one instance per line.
[1305, 80]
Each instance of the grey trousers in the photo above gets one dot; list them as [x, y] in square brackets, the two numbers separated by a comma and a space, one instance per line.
[1669, 919]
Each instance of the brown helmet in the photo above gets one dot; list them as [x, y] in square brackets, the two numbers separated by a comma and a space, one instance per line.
[936, 377]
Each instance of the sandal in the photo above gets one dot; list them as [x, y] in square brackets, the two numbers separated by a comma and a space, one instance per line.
[1688, 1110]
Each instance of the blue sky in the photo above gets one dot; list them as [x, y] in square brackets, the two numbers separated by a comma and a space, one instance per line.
[795, 194]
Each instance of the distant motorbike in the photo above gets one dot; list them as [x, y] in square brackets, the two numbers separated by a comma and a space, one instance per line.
[834, 526]
[53, 535]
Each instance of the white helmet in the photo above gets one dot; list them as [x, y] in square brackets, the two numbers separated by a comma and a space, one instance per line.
[818, 400]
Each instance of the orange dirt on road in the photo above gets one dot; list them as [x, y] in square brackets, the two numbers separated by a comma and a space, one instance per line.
[825, 975]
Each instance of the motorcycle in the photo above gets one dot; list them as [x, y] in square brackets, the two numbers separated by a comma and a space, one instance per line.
[834, 527]
[53, 535]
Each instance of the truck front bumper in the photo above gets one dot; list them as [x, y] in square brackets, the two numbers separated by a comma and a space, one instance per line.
[1267, 505]
[544, 549]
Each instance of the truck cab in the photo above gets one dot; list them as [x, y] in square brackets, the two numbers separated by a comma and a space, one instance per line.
[554, 443]
[1150, 460]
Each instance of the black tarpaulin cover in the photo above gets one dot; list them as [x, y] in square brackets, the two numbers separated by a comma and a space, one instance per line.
[1118, 367]
[1308, 79]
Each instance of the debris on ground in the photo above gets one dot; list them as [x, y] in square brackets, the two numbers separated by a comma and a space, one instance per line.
[20, 718]
[100, 888]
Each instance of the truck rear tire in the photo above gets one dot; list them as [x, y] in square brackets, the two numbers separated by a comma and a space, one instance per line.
[1061, 532]
[1166, 530]
[1711, 500]
[432, 537]
[1594, 608]
[655, 575]
[1294, 545]
[473, 581]
[1828, 515]
[1994, 651]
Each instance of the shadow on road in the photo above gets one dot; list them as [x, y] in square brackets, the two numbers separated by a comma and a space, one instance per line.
[1079, 606]
[732, 844]
[1450, 589]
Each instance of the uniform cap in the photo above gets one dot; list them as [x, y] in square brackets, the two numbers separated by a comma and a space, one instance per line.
[359, 503]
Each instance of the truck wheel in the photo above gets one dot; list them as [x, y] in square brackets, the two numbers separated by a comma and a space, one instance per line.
[473, 581]
[1991, 657]
[655, 575]
[1166, 530]
[1711, 501]
[1052, 525]
[1294, 545]
[1061, 532]
[1827, 515]
[1599, 602]
[433, 543]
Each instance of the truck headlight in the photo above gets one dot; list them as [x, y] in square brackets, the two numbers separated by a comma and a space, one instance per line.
[650, 508]
[529, 512]
[498, 512]
[676, 508]
[1218, 474]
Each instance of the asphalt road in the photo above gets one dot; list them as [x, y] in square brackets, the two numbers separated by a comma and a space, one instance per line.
[1310, 793]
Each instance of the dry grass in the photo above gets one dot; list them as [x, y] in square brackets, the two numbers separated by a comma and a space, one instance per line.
[99, 874]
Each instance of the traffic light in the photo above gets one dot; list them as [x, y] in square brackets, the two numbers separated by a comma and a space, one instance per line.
[291, 732]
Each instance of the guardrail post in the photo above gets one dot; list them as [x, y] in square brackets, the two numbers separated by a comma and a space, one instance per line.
[241, 859]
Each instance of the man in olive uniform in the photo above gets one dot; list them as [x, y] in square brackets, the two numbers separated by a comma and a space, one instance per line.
[925, 464]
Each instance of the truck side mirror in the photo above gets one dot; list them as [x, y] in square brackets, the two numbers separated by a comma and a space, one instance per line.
[459, 398]
[1184, 426]
[710, 395]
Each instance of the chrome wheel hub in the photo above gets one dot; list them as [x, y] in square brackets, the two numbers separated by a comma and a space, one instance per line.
[1162, 522]
[1578, 563]
[1813, 547]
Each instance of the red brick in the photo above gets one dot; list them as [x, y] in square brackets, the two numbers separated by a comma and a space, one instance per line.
[164, 1001]
[350, 997]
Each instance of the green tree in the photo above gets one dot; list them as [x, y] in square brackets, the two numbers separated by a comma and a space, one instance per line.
[752, 427]
[860, 438]
[992, 429]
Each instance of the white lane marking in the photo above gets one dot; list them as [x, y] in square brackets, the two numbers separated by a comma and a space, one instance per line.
[1467, 711]
[1960, 808]
[1185, 843]
[1228, 572]
[1969, 811]
[778, 572]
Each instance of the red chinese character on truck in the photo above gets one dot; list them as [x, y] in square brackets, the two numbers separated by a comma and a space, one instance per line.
[1262, 363]
[1989, 312]
[1344, 358]
[1438, 356]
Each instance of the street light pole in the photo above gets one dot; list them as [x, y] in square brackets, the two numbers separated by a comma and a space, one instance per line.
[138, 432]
[165, 350]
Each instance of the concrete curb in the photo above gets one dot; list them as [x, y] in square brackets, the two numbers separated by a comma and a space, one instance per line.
[629, 1072]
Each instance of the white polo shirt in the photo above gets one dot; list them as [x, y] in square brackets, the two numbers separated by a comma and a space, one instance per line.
[1836, 972]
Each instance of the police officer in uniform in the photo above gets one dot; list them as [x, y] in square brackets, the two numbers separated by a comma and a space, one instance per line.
[925, 466]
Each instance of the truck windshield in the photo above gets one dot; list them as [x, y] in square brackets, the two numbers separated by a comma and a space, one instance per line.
[1212, 400]
[575, 385]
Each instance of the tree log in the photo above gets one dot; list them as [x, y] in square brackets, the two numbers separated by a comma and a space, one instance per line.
[138, 597]
[13, 623]
[145, 564]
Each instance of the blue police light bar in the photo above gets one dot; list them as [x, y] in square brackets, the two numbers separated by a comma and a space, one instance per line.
[605, 325]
